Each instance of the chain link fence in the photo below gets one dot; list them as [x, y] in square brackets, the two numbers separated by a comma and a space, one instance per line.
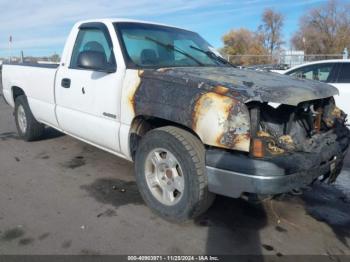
[281, 61]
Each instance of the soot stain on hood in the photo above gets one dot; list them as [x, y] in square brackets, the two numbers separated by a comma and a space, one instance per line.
[247, 85]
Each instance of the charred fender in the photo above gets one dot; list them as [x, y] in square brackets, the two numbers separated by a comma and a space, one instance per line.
[222, 121]
[211, 111]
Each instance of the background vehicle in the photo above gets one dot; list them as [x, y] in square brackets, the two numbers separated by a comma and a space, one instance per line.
[194, 125]
[269, 67]
[334, 72]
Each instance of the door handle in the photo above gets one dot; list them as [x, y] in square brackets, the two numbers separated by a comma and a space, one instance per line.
[65, 83]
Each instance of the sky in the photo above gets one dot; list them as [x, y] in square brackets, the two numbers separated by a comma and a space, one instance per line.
[40, 27]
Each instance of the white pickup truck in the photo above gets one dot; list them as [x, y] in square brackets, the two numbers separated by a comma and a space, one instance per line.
[194, 124]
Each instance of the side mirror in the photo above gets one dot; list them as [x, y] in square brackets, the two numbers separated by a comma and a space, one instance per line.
[96, 61]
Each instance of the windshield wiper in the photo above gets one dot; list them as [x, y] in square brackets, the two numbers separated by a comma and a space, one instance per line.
[213, 56]
[172, 47]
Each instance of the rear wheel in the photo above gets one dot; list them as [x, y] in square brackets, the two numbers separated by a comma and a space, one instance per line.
[28, 128]
[170, 173]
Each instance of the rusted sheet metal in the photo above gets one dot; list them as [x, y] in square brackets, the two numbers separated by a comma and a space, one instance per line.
[211, 101]
[333, 114]
[218, 119]
[133, 89]
[222, 121]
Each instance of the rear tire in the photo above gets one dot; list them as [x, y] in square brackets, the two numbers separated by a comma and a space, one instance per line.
[28, 128]
[174, 161]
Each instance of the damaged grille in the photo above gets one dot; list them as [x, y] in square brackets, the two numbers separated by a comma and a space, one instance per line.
[306, 127]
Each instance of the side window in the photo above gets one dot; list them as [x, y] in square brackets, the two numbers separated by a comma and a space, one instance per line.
[92, 40]
[344, 74]
[299, 73]
[318, 72]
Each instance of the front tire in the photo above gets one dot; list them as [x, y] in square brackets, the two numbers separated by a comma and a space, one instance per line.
[28, 128]
[170, 173]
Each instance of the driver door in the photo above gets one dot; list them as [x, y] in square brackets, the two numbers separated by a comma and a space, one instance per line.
[87, 100]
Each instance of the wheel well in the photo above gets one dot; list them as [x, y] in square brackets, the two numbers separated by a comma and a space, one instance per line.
[16, 92]
[143, 124]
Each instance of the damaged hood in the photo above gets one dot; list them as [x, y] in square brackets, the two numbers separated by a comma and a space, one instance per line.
[247, 85]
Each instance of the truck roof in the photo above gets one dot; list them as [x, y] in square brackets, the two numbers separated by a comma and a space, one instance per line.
[120, 20]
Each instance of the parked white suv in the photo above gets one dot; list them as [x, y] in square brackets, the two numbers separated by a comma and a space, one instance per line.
[334, 72]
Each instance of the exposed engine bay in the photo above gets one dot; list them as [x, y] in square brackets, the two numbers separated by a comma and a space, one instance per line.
[283, 129]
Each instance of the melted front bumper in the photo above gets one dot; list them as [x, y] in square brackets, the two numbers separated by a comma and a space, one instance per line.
[232, 173]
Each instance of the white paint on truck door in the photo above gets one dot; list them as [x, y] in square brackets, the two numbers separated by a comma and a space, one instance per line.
[88, 102]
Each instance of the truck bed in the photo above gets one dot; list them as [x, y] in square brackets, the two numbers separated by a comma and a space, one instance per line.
[38, 80]
[41, 65]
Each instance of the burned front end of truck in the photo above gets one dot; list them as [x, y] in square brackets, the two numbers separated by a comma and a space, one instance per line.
[264, 133]
[291, 146]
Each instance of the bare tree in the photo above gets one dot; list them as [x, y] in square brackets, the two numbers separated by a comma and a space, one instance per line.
[271, 30]
[324, 30]
[256, 47]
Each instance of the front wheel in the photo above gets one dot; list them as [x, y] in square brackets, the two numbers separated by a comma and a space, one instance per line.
[170, 173]
[28, 128]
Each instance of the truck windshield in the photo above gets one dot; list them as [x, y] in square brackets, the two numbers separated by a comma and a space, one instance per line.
[154, 46]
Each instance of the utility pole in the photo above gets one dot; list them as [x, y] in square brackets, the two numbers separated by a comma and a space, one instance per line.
[22, 57]
[10, 48]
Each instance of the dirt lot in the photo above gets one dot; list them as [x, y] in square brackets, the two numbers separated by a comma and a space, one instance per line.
[61, 196]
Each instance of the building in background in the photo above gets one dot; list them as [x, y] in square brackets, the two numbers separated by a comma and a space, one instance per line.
[292, 57]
